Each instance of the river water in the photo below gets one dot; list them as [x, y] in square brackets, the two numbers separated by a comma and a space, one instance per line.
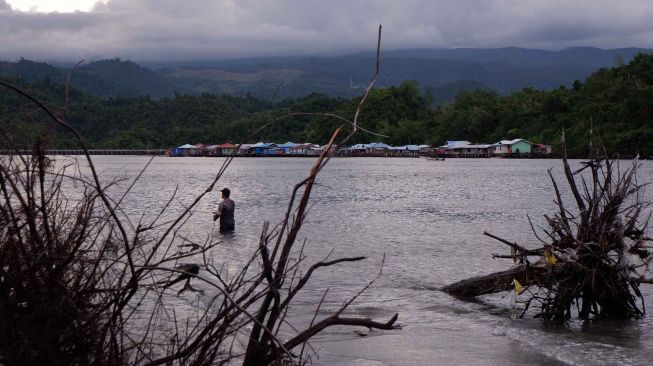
[427, 219]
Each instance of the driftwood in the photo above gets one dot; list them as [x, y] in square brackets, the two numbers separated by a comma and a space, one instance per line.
[595, 252]
[495, 282]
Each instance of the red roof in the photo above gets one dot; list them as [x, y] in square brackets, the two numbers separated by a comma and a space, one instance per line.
[227, 146]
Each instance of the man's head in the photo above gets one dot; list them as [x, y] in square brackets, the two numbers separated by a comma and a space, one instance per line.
[225, 192]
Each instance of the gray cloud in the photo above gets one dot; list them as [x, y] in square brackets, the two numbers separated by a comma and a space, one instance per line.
[205, 29]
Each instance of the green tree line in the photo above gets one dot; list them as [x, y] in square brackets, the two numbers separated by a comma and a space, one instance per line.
[616, 103]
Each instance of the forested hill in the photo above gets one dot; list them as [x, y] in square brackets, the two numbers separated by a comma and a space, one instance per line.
[617, 102]
[590, 57]
[101, 78]
[445, 72]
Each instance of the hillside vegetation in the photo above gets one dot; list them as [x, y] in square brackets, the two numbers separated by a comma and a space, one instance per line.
[617, 102]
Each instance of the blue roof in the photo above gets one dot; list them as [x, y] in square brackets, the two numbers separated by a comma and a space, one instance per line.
[379, 145]
[263, 144]
[288, 144]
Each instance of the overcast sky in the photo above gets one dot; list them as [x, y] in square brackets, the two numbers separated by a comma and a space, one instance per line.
[150, 30]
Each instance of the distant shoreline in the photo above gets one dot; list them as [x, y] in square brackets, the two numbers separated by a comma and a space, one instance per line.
[161, 152]
[165, 152]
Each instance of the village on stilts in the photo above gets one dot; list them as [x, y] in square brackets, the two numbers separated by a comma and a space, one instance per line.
[517, 148]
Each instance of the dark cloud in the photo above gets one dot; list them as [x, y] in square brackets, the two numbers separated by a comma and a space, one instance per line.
[206, 29]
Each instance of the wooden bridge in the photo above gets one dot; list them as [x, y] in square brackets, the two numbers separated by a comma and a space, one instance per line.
[93, 152]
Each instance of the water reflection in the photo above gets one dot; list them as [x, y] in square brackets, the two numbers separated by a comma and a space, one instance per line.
[428, 220]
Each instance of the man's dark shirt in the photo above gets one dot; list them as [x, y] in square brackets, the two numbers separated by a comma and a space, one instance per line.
[226, 210]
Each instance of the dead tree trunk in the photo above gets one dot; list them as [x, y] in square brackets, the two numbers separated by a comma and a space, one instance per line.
[595, 253]
[495, 282]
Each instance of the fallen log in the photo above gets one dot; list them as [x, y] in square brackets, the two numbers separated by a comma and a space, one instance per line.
[495, 282]
[595, 254]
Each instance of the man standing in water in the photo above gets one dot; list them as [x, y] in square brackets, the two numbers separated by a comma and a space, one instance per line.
[225, 212]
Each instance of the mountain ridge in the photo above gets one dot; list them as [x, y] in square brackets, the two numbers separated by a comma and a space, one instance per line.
[442, 71]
